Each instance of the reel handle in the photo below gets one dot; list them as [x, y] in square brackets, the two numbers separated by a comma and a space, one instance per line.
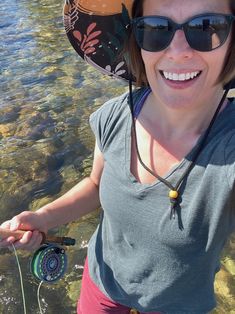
[18, 234]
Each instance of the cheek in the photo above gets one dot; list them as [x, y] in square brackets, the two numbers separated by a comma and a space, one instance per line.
[145, 57]
[216, 62]
[151, 61]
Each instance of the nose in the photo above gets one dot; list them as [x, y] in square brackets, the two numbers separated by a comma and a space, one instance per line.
[179, 47]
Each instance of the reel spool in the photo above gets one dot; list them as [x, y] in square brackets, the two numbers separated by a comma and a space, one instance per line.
[49, 263]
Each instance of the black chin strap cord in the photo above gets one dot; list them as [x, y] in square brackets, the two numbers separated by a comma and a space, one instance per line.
[174, 190]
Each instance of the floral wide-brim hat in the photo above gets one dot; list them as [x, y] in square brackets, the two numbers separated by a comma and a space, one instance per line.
[97, 31]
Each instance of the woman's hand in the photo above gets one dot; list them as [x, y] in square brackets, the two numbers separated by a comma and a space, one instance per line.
[32, 223]
[82, 199]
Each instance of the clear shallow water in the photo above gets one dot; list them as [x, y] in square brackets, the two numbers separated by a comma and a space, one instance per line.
[47, 94]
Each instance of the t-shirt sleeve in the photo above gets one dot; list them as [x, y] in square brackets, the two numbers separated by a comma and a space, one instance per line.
[230, 166]
[95, 119]
[230, 160]
[103, 120]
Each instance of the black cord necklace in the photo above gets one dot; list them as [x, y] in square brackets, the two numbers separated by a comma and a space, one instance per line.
[174, 190]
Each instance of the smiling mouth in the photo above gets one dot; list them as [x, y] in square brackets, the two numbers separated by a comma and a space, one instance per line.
[180, 77]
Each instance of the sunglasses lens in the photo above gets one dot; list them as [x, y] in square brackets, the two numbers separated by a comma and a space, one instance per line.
[207, 33]
[152, 33]
[203, 33]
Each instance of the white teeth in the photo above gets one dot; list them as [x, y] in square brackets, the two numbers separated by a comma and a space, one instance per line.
[188, 76]
[181, 76]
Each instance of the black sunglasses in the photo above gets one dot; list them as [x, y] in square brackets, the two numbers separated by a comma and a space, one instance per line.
[203, 32]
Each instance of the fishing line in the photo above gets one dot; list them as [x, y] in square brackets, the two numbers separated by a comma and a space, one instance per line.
[22, 285]
[21, 278]
[38, 297]
[49, 262]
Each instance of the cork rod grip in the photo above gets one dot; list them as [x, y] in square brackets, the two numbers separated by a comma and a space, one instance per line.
[18, 234]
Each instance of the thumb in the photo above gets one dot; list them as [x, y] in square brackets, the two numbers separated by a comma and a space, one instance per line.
[6, 224]
[15, 224]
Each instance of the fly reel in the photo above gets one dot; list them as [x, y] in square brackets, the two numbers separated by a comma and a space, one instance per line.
[49, 263]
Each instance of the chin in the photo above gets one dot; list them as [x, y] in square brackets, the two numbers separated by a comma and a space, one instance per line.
[176, 100]
[177, 104]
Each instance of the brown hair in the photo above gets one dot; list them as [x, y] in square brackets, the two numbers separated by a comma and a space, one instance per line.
[136, 65]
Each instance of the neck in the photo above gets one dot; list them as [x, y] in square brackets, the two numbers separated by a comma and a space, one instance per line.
[173, 123]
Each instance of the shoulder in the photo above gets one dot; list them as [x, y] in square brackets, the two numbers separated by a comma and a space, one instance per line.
[117, 106]
[223, 130]
[228, 127]
[228, 142]
[112, 117]
[104, 120]
[110, 109]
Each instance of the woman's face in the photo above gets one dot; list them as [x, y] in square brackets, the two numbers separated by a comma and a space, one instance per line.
[179, 58]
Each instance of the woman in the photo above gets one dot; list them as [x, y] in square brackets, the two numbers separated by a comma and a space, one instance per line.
[163, 173]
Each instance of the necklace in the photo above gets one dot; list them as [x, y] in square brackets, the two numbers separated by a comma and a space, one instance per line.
[174, 190]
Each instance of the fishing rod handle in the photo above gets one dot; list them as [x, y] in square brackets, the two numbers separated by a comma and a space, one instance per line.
[18, 234]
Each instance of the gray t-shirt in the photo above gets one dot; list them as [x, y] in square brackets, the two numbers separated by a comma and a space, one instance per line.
[138, 256]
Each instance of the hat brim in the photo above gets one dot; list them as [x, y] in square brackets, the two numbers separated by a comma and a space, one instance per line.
[97, 30]
[98, 36]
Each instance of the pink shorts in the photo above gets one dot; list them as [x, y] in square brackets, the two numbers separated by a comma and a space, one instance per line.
[93, 301]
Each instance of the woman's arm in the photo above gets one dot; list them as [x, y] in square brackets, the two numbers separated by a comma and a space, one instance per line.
[82, 199]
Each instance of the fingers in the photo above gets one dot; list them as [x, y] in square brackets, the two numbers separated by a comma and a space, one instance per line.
[20, 222]
[29, 223]
[14, 224]
[7, 242]
[5, 224]
[30, 241]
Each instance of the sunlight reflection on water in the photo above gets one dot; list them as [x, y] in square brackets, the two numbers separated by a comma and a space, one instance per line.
[47, 95]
